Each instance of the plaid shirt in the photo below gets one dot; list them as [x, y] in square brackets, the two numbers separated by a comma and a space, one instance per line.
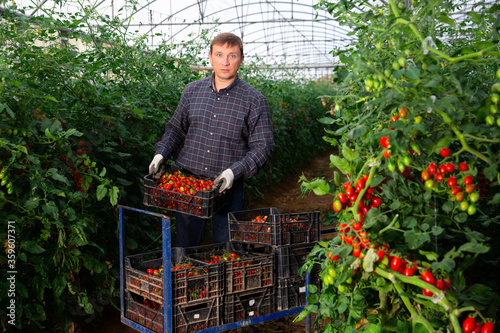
[230, 128]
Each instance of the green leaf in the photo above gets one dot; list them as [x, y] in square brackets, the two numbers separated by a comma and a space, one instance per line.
[349, 154]
[52, 172]
[137, 112]
[491, 172]
[495, 200]
[32, 203]
[71, 132]
[119, 168]
[58, 285]
[413, 73]
[448, 206]
[313, 289]
[51, 209]
[474, 247]
[48, 134]
[327, 120]
[415, 240]
[447, 265]
[103, 172]
[477, 18]
[336, 178]
[410, 222]
[357, 132]
[102, 190]
[113, 197]
[460, 217]
[431, 256]
[442, 17]
[50, 98]
[32, 247]
[319, 186]
[374, 329]
[340, 163]
[301, 316]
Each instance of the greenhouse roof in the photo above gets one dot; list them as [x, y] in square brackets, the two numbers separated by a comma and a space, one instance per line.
[286, 33]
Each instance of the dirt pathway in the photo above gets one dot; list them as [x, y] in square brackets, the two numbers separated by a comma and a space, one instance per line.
[287, 198]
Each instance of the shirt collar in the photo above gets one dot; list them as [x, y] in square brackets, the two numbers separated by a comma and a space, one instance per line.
[228, 88]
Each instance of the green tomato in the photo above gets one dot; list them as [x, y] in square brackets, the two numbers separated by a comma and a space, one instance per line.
[498, 122]
[3, 182]
[474, 197]
[493, 108]
[391, 166]
[496, 87]
[341, 288]
[327, 280]
[471, 210]
[387, 72]
[401, 166]
[9, 185]
[406, 160]
[349, 280]
[495, 98]
[332, 272]
[402, 62]
[498, 74]
[464, 205]
[396, 66]
[10, 190]
[490, 121]
[429, 184]
[417, 120]
[424, 66]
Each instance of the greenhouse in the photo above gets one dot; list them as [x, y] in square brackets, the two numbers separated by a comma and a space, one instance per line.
[249, 166]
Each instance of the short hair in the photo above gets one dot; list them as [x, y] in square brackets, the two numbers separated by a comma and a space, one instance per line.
[227, 38]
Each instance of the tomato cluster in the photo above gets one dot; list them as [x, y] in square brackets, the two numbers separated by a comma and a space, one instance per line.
[470, 325]
[181, 183]
[459, 182]
[350, 195]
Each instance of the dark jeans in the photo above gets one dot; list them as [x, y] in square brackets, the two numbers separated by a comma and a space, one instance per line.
[190, 230]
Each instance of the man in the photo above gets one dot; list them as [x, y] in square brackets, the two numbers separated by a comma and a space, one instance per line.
[223, 127]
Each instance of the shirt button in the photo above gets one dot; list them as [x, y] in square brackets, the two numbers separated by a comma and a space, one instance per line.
[215, 115]
[218, 98]
[211, 133]
[206, 168]
[208, 151]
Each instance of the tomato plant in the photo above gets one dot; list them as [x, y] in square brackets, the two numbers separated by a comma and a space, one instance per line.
[435, 203]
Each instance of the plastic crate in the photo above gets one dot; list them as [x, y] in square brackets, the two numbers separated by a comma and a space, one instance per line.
[203, 204]
[250, 271]
[186, 317]
[290, 259]
[194, 318]
[247, 305]
[146, 316]
[189, 285]
[277, 230]
[291, 292]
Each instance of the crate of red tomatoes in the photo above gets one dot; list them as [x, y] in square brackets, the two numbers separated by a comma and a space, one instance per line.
[192, 280]
[266, 226]
[180, 191]
[243, 270]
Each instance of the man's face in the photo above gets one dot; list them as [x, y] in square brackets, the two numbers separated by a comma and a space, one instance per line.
[225, 60]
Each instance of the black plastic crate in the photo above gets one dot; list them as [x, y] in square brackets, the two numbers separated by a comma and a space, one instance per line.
[186, 317]
[245, 272]
[247, 305]
[291, 292]
[189, 285]
[197, 317]
[277, 230]
[290, 259]
[203, 204]
[147, 316]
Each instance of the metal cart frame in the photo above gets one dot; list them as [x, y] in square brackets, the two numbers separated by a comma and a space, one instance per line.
[167, 295]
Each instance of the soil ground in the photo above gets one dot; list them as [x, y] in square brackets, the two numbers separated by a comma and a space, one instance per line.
[287, 198]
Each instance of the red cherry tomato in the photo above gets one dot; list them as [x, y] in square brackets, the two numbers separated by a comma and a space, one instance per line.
[442, 168]
[468, 180]
[488, 327]
[478, 328]
[463, 166]
[408, 272]
[427, 292]
[452, 181]
[395, 262]
[450, 167]
[445, 152]
[342, 197]
[440, 284]
[349, 191]
[432, 168]
[427, 277]
[469, 324]
[376, 201]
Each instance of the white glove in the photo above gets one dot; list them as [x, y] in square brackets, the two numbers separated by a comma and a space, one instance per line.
[154, 167]
[226, 178]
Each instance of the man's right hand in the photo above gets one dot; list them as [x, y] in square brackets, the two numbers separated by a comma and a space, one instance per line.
[154, 167]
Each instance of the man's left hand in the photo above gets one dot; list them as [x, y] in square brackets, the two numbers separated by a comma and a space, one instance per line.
[226, 179]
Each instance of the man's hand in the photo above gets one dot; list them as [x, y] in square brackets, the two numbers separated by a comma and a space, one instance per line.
[226, 178]
[155, 166]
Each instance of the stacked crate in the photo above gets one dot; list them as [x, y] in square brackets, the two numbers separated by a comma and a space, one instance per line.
[290, 238]
[197, 290]
[249, 279]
